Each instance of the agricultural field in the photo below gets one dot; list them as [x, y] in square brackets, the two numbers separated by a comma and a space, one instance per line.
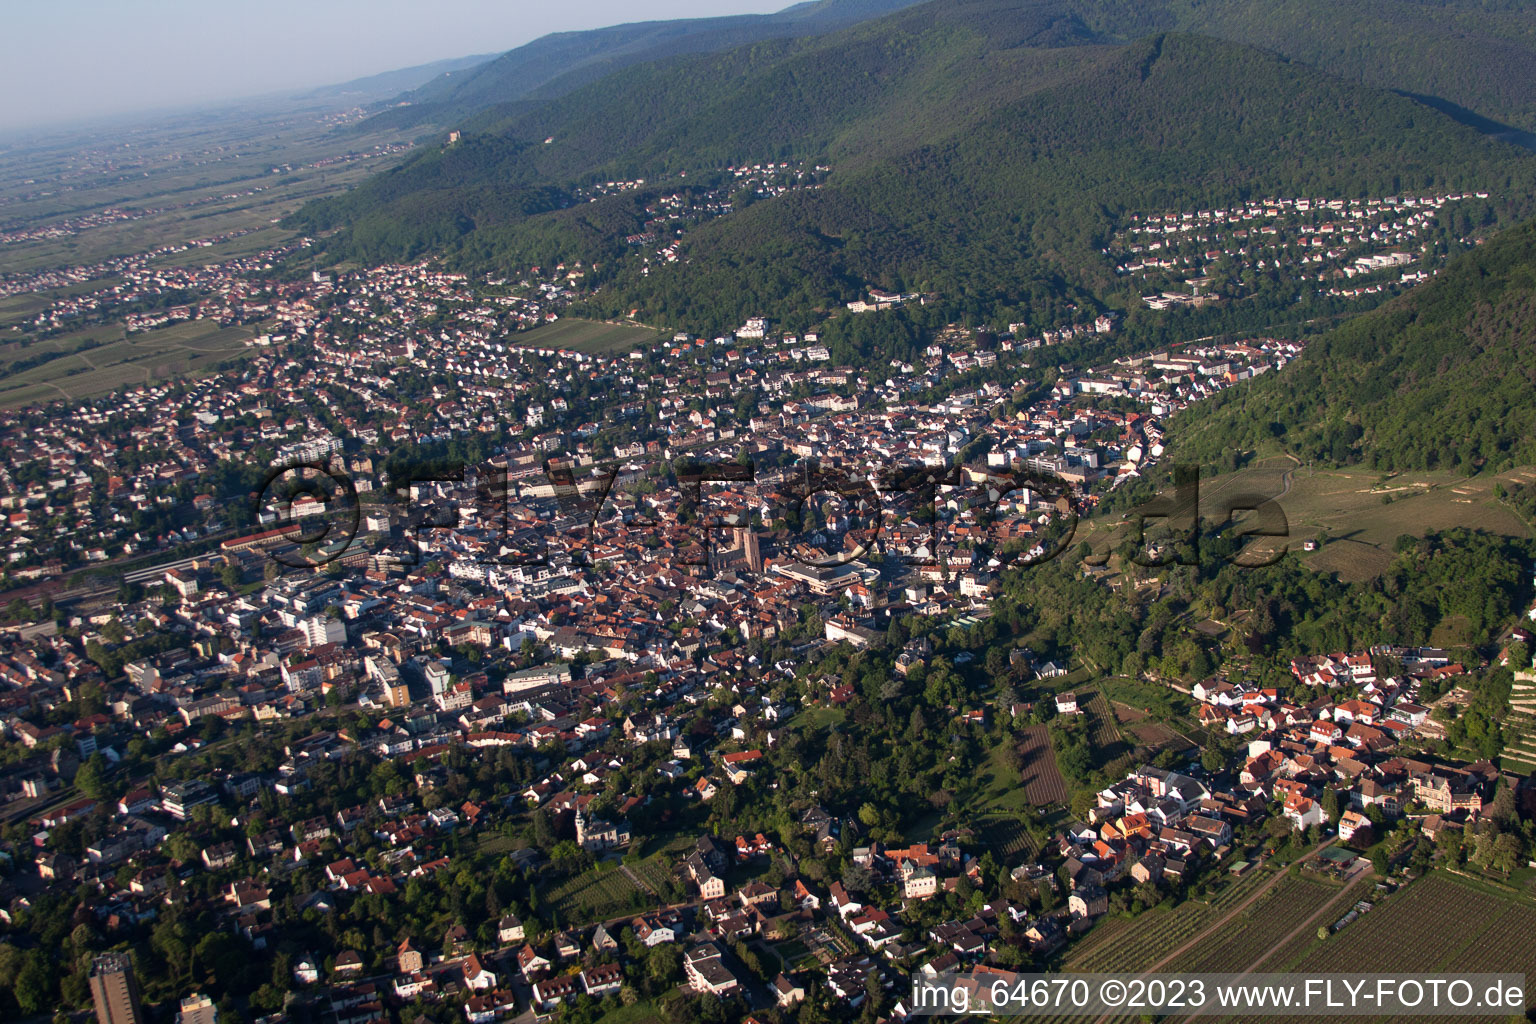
[1136, 724]
[593, 337]
[1440, 923]
[1040, 778]
[213, 175]
[101, 360]
[16, 309]
[1156, 736]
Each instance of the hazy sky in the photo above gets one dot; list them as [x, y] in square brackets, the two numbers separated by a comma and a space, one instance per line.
[65, 60]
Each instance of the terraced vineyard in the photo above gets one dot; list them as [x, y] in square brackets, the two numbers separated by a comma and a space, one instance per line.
[1520, 729]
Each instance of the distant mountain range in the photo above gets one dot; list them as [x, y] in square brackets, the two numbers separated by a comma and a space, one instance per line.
[1475, 59]
[555, 64]
[373, 88]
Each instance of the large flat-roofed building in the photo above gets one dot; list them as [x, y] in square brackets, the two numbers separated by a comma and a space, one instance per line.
[114, 990]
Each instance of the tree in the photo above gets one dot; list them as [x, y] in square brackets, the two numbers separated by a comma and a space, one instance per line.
[1212, 760]
[1331, 803]
[663, 966]
[34, 985]
[1380, 863]
[182, 847]
[543, 831]
[92, 777]
[1503, 808]
[1506, 853]
[1448, 844]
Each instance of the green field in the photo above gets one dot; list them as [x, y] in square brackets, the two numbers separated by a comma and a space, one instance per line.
[97, 361]
[593, 337]
[641, 1012]
[1362, 529]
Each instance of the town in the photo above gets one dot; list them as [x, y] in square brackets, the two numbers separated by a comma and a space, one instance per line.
[569, 703]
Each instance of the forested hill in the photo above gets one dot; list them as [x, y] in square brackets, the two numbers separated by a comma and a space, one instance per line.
[1473, 55]
[1009, 198]
[558, 63]
[1440, 378]
[973, 154]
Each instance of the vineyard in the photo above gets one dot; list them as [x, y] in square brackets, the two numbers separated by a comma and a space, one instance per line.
[1254, 932]
[657, 872]
[593, 336]
[1103, 733]
[1135, 944]
[594, 895]
[1440, 923]
[1159, 932]
[1007, 838]
[1040, 777]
